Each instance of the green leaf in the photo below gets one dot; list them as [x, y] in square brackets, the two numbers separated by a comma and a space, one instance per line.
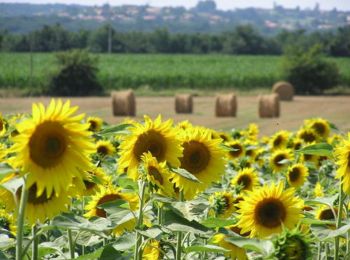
[95, 255]
[163, 199]
[124, 242]
[333, 126]
[13, 184]
[329, 201]
[152, 232]
[338, 232]
[5, 169]
[217, 222]
[186, 174]
[206, 248]
[264, 247]
[110, 253]
[114, 129]
[311, 221]
[321, 149]
[114, 206]
[6, 242]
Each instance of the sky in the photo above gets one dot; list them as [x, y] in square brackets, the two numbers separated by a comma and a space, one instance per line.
[222, 4]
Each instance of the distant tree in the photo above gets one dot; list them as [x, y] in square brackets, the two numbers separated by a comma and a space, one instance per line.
[206, 6]
[340, 45]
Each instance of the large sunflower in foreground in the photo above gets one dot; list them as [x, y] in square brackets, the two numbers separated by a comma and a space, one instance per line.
[297, 174]
[246, 178]
[109, 194]
[157, 137]
[53, 147]
[342, 154]
[202, 157]
[267, 210]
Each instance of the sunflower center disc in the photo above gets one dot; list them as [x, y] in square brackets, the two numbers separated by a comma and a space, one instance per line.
[109, 197]
[92, 126]
[319, 128]
[245, 181]
[277, 141]
[270, 213]
[47, 144]
[153, 142]
[102, 150]
[153, 171]
[236, 150]
[279, 158]
[308, 137]
[294, 174]
[327, 214]
[195, 158]
[1, 124]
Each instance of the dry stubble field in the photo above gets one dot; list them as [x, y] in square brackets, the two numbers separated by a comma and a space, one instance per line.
[336, 109]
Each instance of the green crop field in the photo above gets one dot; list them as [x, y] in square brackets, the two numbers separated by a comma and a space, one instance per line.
[157, 71]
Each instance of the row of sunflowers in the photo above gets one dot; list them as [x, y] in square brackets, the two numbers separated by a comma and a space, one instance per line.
[74, 187]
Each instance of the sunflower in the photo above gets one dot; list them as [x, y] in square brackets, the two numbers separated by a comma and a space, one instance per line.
[7, 222]
[53, 147]
[279, 140]
[108, 194]
[152, 251]
[319, 125]
[92, 181]
[297, 144]
[253, 132]
[236, 149]
[7, 198]
[203, 157]
[104, 148]
[326, 213]
[266, 210]
[95, 124]
[310, 158]
[297, 174]
[280, 159]
[307, 135]
[158, 174]
[318, 190]
[342, 154]
[2, 125]
[222, 203]
[156, 137]
[184, 125]
[235, 252]
[246, 178]
[251, 149]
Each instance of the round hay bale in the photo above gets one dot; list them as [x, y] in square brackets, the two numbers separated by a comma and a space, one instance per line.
[285, 90]
[123, 103]
[184, 104]
[226, 105]
[269, 106]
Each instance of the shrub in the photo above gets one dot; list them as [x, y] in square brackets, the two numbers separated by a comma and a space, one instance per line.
[76, 75]
[308, 71]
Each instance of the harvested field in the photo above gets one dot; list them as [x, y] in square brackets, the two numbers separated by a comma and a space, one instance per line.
[333, 108]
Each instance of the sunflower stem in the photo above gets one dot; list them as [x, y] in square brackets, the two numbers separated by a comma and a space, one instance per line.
[137, 251]
[179, 234]
[319, 250]
[340, 210]
[160, 214]
[71, 244]
[35, 243]
[20, 220]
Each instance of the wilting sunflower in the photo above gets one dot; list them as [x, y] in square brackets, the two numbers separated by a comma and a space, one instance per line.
[307, 135]
[222, 203]
[152, 251]
[280, 159]
[342, 154]
[7, 222]
[292, 245]
[236, 149]
[279, 140]
[203, 157]
[108, 194]
[158, 174]
[53, 147]
[246, 178]
[319, 125]
[43, 207]
[266, 210]
[297, 174]
[104, 148]
[318, 190]
[95, 124]
[157, 137]
[235, 252]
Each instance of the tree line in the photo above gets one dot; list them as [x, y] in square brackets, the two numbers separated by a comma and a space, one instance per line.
[243, 39]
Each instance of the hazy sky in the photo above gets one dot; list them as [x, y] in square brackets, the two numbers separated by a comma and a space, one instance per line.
[222, 4]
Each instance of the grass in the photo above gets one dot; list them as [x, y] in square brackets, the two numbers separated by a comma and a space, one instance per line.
[155, 72]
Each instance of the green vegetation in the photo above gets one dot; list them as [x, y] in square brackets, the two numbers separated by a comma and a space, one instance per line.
[156, 71]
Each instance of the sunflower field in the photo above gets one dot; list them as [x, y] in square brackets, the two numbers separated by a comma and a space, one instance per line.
[74, 187]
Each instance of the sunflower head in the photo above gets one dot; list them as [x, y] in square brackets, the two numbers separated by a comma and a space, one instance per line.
[53, 147]
[253, 132]
[7, 222]
[320, 126]
[203, 157]
[3, 125]
[266, 210]
[293, 245]
[318, 190]
[157, 137]
[280, 159]
[342, 155]
[236, 149]
[184, 125]
[326, 213]
[235, 252]
[279, 140]
[93, 181]
[95, 124]
[297, 174]
[104, 148]
[246, 179]
[152, 250]
[222, 203]
[307, 135]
